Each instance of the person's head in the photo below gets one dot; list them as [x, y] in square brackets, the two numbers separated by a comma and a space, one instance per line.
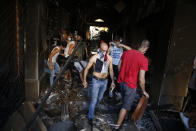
[103, 46]
[145, 44]
[78, 38]
[63, 45]
[117, 38]
[64, 31]
[70, 37]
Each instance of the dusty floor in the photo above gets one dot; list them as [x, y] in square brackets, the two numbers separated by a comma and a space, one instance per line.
[67, 108]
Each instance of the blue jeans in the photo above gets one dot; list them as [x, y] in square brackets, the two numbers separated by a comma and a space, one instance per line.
[56, 69]
[98, 89]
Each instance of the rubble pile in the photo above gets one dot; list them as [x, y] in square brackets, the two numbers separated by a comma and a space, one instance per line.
[68, 105]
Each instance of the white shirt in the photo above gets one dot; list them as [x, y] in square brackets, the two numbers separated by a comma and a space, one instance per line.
[67, 48]
[55, 56]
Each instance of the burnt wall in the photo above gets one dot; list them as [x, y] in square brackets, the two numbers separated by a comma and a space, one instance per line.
[159, 33]
[181, 53]
[11, 58]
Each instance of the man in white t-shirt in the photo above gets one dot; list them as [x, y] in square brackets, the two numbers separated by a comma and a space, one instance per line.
[70, 46]
[52, 64]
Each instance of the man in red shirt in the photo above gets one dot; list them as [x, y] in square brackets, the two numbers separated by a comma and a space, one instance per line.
[132, 64]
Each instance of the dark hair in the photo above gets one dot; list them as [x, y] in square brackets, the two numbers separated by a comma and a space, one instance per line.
[145, 43]
[116, 37]
[64, 43]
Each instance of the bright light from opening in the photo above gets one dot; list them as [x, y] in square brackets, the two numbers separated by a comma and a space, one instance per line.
[99, 20]
[94, 31]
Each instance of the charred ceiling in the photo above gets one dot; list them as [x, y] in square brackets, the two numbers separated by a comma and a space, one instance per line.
[114, 12]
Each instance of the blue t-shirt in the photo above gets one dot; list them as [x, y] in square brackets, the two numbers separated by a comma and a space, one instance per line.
[116, 53]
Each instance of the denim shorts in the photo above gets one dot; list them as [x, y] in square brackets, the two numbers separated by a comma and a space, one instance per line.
[128, 95]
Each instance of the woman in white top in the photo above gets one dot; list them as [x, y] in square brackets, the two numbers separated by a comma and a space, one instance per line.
[53, 65]
[67, 52]
[70, 46]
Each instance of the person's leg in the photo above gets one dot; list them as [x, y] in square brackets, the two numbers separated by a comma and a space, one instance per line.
[80, 70]
[115, 70]
[121, 117]
[56, 67]
[84, 63]
[117, 88]
[81, 76]
[52, 74]
[94, 95]
[102, 90]
[78, 66]
[129, 96]
[69, 77]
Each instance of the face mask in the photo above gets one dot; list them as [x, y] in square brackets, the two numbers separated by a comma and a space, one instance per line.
[103, 52]
[69, 39]
[103, 55]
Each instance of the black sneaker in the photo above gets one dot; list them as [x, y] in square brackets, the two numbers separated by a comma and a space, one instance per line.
[115, 129]
[90, 122]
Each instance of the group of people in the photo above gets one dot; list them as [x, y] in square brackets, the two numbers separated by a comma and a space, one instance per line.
[117, 60]
[128, 67]
[62, 51]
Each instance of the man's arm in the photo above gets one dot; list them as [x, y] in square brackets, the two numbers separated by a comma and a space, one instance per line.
[109, 49]
[119, 65]
[50, 58]
[142, 82]
[123, 46]
[86, 51]
[90, 63]
[111, 72]
[71, 48]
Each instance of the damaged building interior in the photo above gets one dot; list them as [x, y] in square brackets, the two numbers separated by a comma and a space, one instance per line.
[31, 29]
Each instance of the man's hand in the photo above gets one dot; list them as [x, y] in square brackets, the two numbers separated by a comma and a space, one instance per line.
[112, 85]
[85, 84]
[146, 94]
[110, 43]
[51, 67]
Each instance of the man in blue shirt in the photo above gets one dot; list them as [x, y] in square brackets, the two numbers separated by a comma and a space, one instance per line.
[116, 51]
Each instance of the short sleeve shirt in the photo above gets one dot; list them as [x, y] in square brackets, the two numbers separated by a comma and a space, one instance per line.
[132, 62]
[116, 53]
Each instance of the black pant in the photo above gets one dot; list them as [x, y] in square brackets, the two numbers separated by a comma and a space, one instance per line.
[116, 73]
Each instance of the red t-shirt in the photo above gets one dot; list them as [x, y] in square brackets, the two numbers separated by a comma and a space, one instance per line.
[132, 62]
